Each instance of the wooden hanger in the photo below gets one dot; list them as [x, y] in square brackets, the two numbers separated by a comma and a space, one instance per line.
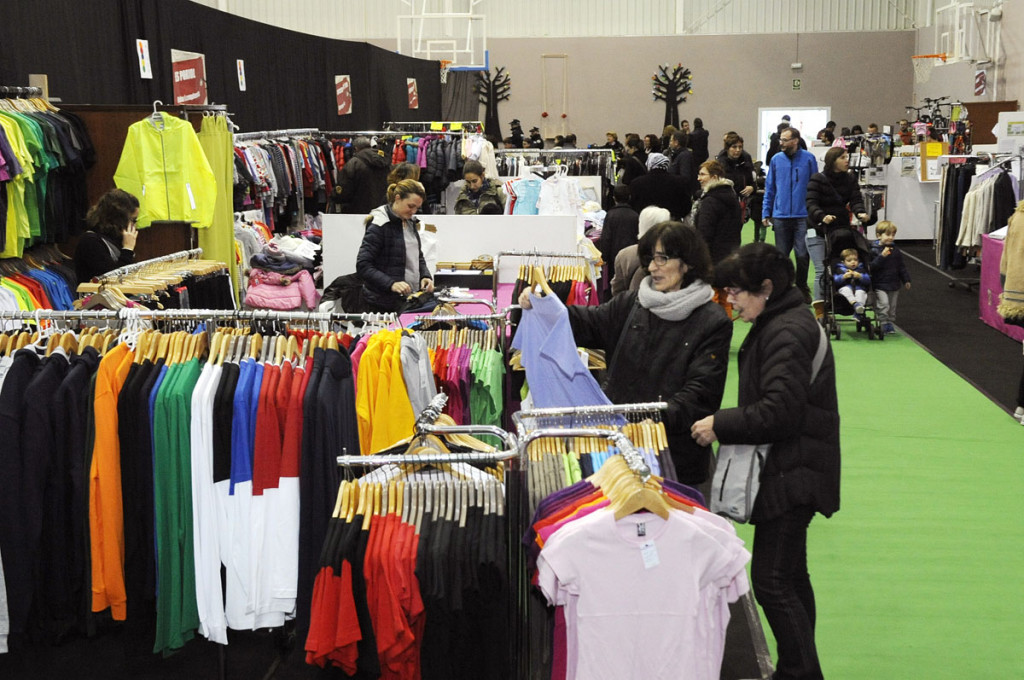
[540, 280]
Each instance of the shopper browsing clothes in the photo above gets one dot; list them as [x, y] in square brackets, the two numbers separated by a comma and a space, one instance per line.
[479, 196]
[779, 404]
[390, 260]
[666, 342]
[110, 242]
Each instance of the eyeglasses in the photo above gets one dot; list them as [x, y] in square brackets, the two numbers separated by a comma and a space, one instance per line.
[661, 259]
[787, 140]
[732, 291]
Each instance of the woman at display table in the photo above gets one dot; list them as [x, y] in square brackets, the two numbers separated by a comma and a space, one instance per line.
[778, 404]
[832, 195]
[667, 341]
[390, 260]
[110, 242]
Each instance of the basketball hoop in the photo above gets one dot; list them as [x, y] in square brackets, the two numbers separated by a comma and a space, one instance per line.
[923, 65]
[446, 65]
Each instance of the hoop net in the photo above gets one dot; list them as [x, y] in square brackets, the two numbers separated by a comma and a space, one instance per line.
[446, 65]
[923, 65]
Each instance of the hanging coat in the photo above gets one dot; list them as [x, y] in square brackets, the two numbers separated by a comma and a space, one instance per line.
[166, 169]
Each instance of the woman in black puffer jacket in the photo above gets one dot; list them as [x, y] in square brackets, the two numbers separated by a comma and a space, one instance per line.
[778, 402]
[717, 214]
[832, 196]
[390, 260]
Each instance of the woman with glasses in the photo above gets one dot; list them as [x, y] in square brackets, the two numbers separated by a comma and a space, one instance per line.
[779, 404]
[667, 341]
[110, 241]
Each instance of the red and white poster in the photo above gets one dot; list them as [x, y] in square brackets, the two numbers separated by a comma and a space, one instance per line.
[980, 82]
[189, 72]
[343, 91]
[414, 95]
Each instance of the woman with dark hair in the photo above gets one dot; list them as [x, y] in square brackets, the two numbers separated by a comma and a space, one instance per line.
[652, 144]
[667, 341]
[110, 242]
[832, 195]
[479, 195]
[779, 404]
[738, 166]
[717, 213]
[390, 260]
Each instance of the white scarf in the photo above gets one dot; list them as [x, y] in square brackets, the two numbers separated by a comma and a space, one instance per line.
[674, 305]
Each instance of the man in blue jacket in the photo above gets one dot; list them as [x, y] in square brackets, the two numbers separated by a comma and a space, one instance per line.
[785, 194]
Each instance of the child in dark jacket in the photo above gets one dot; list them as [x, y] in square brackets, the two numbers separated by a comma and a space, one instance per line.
[852, 281]
[888, 274]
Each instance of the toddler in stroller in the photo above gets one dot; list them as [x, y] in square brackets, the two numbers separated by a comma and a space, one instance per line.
[853, 280]
[846, 282]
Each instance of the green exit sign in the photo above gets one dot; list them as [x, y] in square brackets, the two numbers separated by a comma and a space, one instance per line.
[796, 83]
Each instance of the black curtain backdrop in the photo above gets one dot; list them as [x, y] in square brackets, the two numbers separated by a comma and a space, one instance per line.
[458, 100]
[87, 49]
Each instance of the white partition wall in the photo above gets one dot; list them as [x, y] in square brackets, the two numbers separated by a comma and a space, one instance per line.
[460, 238]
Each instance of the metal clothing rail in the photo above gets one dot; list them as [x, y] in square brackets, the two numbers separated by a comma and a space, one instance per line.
[117, 274]
[548, 152]
[621, 441]
[612, 409]
[197, 314]
[478, 126]
[20, 91]
[511, 450]
[270, 134]
[468, 301]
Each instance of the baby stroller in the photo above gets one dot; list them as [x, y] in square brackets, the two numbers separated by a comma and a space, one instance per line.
[836, 305]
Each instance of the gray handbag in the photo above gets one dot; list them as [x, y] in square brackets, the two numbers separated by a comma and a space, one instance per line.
[738, 471]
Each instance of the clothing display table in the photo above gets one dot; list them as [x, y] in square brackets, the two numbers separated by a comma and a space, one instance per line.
[991, 287]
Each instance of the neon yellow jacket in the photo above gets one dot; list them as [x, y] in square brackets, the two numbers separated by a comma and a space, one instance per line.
[167, 171]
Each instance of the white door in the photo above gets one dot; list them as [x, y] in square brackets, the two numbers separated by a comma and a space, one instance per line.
[807, 119]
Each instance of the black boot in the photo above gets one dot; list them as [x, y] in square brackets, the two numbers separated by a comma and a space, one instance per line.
[802, 268]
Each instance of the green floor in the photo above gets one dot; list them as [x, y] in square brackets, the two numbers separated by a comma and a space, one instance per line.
[921, 573]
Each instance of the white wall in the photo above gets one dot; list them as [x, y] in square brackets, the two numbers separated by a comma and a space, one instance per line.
[956, 80]
[376, 19]
[863, 77]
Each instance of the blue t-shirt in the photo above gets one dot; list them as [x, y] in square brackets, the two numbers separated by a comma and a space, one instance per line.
[554, 370]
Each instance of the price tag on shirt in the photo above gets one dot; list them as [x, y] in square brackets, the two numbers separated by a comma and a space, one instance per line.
[649, 553]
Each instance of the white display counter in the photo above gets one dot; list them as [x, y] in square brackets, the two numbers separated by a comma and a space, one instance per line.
[460, 238]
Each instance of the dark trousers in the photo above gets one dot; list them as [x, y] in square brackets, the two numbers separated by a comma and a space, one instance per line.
[783, 589]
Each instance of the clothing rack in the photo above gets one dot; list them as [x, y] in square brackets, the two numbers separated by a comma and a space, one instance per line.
[548, 152]
[292, 134]
[270, 134]
[613, 409]
[126, 314]
[469, 126]
[525, 253]
[121, 272]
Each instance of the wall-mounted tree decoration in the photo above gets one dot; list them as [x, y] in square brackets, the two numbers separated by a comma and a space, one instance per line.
[671, 87]
[489, 92]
